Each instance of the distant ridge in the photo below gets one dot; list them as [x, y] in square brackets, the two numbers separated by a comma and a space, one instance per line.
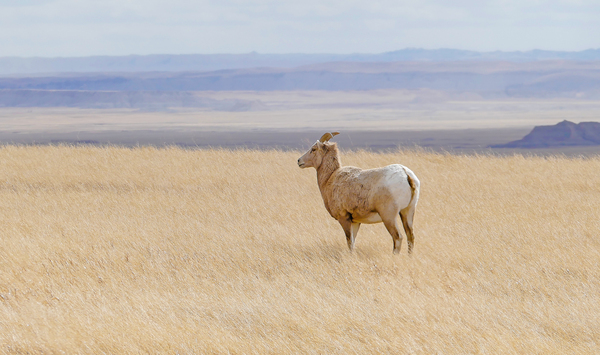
[211, 62]
[146, 100]
[484, 78]
[565, 133]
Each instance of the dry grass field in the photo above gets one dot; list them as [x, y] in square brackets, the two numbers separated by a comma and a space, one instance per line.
[115, 250]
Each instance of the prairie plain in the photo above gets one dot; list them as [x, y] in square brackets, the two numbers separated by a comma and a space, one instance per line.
[374, 119]
[147, 250]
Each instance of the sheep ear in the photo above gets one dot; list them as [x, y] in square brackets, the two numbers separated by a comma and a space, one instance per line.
[327, 136]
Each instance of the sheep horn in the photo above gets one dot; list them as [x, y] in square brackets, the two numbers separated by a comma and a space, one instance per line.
[327, 136]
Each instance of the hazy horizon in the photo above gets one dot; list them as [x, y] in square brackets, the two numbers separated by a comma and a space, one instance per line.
[304, 53]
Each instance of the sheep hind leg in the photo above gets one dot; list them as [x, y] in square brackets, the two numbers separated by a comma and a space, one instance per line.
[406, 216]
[391, 224]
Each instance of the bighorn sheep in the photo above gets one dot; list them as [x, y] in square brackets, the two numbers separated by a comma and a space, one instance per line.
[353, 196]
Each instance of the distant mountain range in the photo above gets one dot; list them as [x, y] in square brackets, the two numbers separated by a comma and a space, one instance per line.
[162, 81]
[213, 62]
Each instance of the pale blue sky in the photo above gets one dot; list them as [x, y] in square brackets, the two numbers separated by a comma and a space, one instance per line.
[51, 28]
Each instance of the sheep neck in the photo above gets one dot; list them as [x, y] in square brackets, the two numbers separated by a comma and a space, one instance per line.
[330, 163]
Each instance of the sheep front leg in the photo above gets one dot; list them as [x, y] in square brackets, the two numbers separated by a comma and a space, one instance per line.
[354, 230]
[350, 229]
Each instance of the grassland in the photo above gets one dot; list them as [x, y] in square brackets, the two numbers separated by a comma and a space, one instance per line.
[114, 250]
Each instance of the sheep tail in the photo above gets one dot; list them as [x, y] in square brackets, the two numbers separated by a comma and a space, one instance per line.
[415, 186]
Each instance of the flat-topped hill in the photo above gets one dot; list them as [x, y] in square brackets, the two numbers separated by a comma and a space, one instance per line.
[565, 133]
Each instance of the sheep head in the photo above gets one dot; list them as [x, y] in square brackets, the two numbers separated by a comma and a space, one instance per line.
[314, 156]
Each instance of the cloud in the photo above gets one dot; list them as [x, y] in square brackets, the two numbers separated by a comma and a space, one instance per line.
[23, 3]
[71, 27]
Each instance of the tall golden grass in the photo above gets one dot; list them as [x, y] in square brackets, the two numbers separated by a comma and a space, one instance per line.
[114, 250]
